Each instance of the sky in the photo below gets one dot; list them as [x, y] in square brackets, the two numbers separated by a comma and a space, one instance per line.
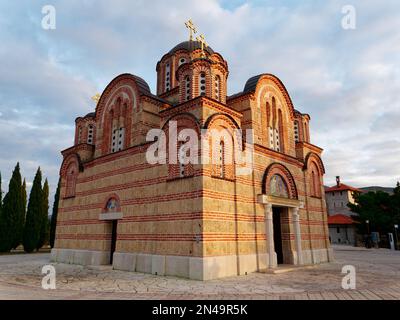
[348, 80]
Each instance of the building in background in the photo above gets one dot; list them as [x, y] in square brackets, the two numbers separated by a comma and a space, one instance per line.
[341, 224]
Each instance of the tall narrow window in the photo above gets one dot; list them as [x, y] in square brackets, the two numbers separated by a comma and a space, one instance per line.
[217, 88]
[296, 131]
[90, 135]
[181, 158]
[281, 146]
[306, 138]
[277, 140]
[271, 138]
[187, 88]
[313, 186]
[121, 138]
[79, 134]
[114, 140]
[202, 84]
[72, 173]
[222, 159]
[167, 77]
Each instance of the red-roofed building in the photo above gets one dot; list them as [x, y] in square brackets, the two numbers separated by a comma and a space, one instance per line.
[341, 225]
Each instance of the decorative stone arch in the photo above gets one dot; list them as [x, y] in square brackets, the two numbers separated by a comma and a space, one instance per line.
[314, 169]
[256, 84]
[127, 88]
[184, 121]
[313, 157]
[227, 148]
[201, 66]
[71, 158]
[284, 173]
[69, 172]
[106, 201]
[111, 208]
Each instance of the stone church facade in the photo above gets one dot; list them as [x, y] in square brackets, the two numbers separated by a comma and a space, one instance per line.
[198, 220]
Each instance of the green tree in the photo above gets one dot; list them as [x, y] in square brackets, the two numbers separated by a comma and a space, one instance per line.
[34, 214]
[53, 223]
[379, 208]
[44, 223]
[24, 197]
[12, 216]
[1, 196]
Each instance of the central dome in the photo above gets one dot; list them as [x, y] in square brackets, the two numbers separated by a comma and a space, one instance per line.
[190, 46]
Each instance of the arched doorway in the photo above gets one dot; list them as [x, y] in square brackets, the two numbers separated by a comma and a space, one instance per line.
[281, 207]
[112, 213]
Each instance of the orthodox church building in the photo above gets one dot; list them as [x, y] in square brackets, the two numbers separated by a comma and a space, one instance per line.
[198, 220]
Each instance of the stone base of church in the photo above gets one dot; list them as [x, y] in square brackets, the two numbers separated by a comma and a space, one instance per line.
[196, 268]
[317, 256]
[81, 257]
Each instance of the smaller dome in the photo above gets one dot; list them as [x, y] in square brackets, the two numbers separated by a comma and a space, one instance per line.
[90, 115]
[190, 46]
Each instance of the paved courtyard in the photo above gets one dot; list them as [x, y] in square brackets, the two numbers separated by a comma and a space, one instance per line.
[377, 277]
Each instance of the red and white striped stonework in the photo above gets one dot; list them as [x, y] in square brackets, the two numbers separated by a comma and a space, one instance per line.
[191, 221]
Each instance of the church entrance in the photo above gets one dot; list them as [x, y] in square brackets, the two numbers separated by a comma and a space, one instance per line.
[113, 239]
[276, 214]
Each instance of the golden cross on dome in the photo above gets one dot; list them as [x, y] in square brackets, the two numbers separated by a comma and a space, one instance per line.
[203, 42]
[96, 98]
[192, 28]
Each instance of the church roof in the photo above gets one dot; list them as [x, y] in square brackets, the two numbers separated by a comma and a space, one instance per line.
[143, 87]
[251, 83]
[340, 219]
[90, 115]
[190, 46]
[342, 187]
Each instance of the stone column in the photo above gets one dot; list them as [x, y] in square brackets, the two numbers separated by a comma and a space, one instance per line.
[297, 232]
[269, 233]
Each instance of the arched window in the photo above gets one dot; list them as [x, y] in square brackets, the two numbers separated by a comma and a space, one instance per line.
[296, 131]
[72, 173]
[79, 135]
[187, 88]
[90, 134]
[281, 146]
[222, 159]
[315, 184]
[117, 139]
[181, 158]
[278, 187]
[167, 77]
[306, 136]
[118, 127]
[217, 88]
[202, 84]
[181, 61]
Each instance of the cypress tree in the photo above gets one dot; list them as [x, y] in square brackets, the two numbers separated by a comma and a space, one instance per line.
[53, 223]
[34, 215]
[12, 217]
[24, 198]
[1, 204]
[1, 196]
[44, 223]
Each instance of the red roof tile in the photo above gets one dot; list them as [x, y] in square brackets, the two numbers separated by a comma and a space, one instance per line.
[340, 219]
[341, 187]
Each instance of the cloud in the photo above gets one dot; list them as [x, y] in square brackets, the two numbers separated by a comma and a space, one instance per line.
[346, 80]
